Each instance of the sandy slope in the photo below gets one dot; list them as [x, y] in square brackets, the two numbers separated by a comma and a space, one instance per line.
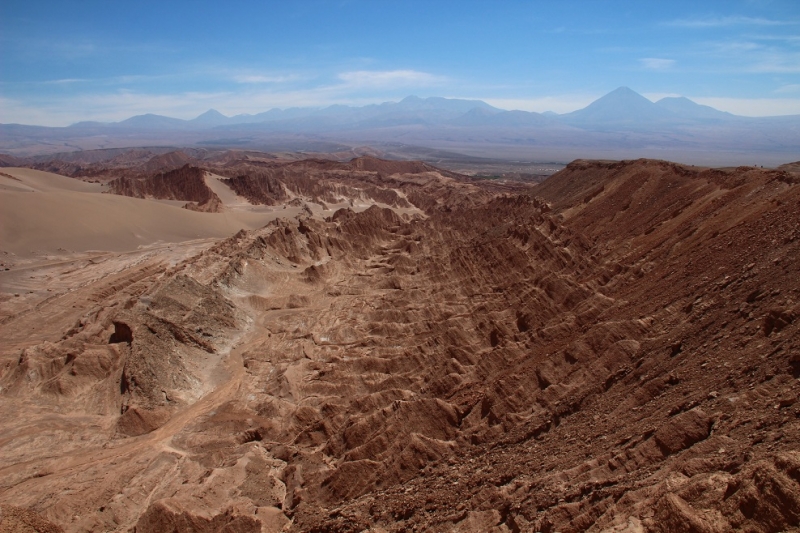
[36, 180]
[43, 212]
[228, 197]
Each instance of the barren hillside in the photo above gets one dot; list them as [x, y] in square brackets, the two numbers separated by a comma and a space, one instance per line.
[612, 350]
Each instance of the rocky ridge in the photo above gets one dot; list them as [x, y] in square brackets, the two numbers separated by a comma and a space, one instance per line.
[186, 183]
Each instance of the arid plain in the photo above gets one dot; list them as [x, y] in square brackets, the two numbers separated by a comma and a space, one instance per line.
[247, 342]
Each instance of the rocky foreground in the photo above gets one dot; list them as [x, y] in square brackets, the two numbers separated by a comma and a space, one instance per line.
[613, 350]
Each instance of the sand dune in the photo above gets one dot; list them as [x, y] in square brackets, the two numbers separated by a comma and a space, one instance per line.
[228, 197]
[43, 212]
[36, 180]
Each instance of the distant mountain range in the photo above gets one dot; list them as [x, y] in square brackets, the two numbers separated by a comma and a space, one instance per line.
[620, 124]
[409, 111]
[621, 107]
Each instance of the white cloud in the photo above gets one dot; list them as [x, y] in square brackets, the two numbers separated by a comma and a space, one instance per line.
[72, 49]
[15, 112]
[114, 80]
[65, 81]
[791, 39]
[788, 89]
[254, 78]
[717, 22]
[774, 62]
[122, 105]
[556, 104]
[735, 47]
[657, 63]
[747, 56]
[108, 107]
[753, 107]
[392, 78]
[655, 97]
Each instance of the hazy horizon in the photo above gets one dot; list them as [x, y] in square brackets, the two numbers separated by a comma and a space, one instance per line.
[389, 102]
[65, 63]
[320, 108]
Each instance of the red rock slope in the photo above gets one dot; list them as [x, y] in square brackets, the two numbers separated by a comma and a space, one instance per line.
[615, 352]
[186, 183]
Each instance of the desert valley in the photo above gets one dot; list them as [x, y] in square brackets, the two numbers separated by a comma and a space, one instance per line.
[384, 267]
[206, 340]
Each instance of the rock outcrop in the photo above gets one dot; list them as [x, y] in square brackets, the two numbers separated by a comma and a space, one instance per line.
[186, 183]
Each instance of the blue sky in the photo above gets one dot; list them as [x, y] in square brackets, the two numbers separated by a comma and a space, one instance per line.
[61, 62]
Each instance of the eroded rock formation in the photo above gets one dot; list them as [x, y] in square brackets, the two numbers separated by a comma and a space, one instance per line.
[186, 183]
[613, 351]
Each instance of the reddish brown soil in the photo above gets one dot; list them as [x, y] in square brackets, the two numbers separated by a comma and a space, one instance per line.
[614, 350]
[16, 520]
[9, 161]
[113, 163]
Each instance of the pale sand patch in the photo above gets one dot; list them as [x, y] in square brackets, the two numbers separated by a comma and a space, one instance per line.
[8, 183]
[37, 180]
[226, 195]
[47, 213]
